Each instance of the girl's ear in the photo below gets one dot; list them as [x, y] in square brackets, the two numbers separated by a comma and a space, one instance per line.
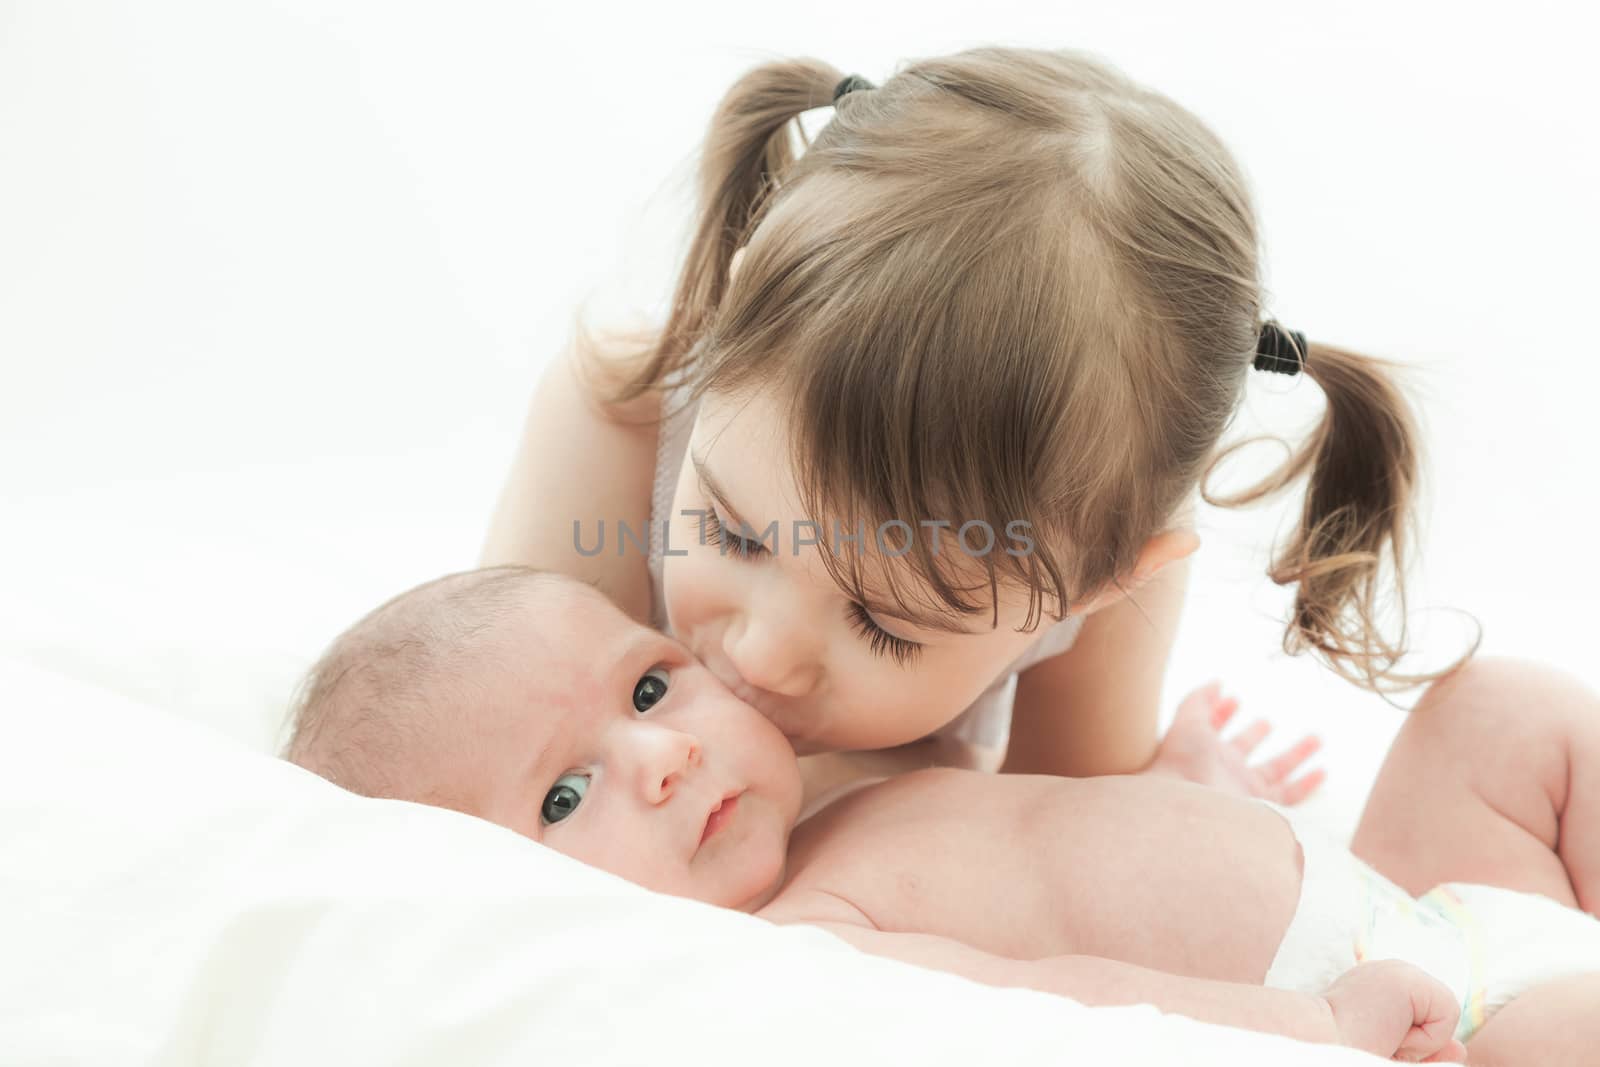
[733, 264]
[1164, 548]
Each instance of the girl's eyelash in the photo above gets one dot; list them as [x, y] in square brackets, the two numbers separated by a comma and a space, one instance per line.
[882, 641]
[712, 532]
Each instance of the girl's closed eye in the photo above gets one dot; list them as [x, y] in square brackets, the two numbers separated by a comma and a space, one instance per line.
[882, 643]
[567, 794]
[714, 531]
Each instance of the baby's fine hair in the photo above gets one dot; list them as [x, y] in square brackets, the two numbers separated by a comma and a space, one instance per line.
[385, 690]
[1013, 284]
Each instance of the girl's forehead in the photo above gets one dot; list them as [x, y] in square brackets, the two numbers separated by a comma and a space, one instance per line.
[741, 456]
[738, 452]
[747, 435]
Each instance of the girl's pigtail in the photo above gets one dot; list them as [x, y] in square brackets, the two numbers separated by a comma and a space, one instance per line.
[746, 150]
[1363, 461]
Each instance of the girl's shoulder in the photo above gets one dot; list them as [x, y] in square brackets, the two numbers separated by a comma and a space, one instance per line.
[602, 364]
[581, 461]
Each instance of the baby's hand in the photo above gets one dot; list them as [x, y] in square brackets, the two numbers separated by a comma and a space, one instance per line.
[1194, 750]
[1390, 1008]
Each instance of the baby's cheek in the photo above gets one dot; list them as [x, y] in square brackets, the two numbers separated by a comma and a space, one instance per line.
[605, 852]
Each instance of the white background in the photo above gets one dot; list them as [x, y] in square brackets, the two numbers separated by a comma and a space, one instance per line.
[276, 280]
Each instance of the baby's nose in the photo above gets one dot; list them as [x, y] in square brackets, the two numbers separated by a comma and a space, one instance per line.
[666, 756]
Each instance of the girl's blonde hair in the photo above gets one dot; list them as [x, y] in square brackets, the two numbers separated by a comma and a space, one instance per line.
[1011, 284]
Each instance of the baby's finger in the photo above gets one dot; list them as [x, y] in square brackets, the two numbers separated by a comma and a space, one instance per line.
[1251, 736]
[1280, 767]
[1454, 1052]
[1223, 712]
[1294, 792]
[1199, 702]
[1432, 1040]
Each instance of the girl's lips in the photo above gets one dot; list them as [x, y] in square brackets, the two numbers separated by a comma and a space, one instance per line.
[734, 683]
[719, 816]
[740, 688]
[768, 704]
[798, 725]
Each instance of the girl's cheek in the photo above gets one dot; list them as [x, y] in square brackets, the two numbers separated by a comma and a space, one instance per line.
[694, 581]
[682, 540]
[919, 704]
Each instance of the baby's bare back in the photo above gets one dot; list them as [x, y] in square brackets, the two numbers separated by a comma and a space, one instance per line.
[1142, 869]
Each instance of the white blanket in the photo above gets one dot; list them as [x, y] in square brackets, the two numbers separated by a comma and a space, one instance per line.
[275, 282]
[170, 897]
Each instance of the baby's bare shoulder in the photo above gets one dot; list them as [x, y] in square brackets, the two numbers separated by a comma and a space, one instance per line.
[907, 827]
[837, 853]
[859, 812]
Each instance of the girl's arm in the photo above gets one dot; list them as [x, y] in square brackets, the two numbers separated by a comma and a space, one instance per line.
[1110, 679]
[1094, 709]
[579, 461]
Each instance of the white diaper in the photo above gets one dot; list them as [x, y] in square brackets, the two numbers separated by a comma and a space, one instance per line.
[1487, 944]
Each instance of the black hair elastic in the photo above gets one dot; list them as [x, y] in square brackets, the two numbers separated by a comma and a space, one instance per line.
[849, 84]
[1279, 350]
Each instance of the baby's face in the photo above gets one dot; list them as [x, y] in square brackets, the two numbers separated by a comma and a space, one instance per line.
[608, 741]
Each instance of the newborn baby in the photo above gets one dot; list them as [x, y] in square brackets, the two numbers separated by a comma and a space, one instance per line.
[528, 699]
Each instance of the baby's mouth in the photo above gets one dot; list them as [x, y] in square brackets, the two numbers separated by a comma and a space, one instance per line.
[720, 815]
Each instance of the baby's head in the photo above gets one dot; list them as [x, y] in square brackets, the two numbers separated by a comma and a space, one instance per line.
[529, 699]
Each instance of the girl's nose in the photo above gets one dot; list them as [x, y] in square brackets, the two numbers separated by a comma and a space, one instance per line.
[663, 755]
[774, 655]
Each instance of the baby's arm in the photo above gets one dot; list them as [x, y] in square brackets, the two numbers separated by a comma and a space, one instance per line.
[1386, 1008]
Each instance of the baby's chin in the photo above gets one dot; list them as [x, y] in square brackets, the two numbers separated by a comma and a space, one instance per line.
[751, 882]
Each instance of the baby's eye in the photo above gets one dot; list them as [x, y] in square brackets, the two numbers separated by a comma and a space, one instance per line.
[651, 688]
[563, 798]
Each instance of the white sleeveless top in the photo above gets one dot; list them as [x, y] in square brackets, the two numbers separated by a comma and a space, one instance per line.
[987, 721]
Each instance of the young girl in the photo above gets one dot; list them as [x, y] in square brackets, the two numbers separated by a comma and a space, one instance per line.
[1008, 292]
